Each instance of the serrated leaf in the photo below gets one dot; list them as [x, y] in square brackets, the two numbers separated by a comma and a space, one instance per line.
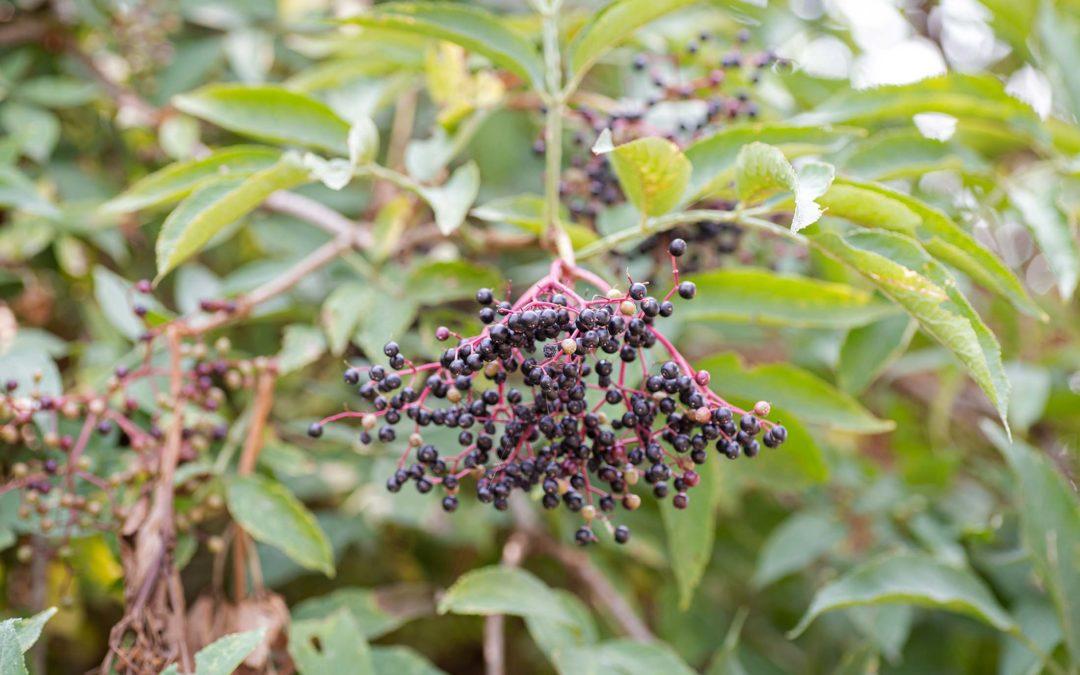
[910, 579]
[872, 205]
[713, 157]
[503, 590]
[813, 181]
[452, 200]
[471, 27]
[269, 113]
[330, 645]
[28, 630]
[176, 181]
[752, 295]
[622, 657]
[1035, 195]
[271, 514]
[652, 172]
[616, 22]
[224, 655]
[301, 346]
[907, 274]
[341, 312]
[210, 209]
[526, 212]
[377, 611]
[798, 391]
[762, 171]
[1049, 527]
[690, 532]
[795, 544]
[868, 350]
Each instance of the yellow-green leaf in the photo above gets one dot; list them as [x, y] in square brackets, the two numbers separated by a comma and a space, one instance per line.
[652, 172]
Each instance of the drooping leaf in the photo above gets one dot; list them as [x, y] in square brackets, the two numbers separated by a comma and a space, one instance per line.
[341, 312]
[713, 157]
[796, 543]
[910, 579]
[1059, 35]
[176, 181]
[868, 350]
[761, 171]
[504, 590]
[473, 28]
[554, 636]
[302, 345]
[269, 113]
[1038, 621]
[271, 514]
[876, 206]
[526, 212]
[211, 208]
[615, 23]
[812, 182]
[377, 611]
[907, 274]
[452, 200]
[1035, 195]
[652, 172]
[330, 645]
[798, 391]
[690, 532]
[1049, 526]
[751, 295]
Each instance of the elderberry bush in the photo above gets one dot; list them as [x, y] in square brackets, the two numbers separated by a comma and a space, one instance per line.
[560, 392]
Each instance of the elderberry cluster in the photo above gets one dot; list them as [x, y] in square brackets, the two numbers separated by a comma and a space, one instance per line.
[560, 392]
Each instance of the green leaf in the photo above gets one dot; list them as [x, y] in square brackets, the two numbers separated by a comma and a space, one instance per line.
[35, 130]
[302, 345]
[800, 392]
[553, 636]
[471, 27]
[377, 611]
[271, 514]
[652, 172]
[387, 318]
[762, 171]
[622, 657]
[52, 91]
[1059, 40]
[752, 295]
[616, 22]
[210, 209]
[176, 181]
[24, 364]
[868, 350]
[504, 590]
[918, 283]
[690, 532]
[1036, 196]
[224, 655]
[28, 630]
[269, 113]
[726, 659]
[795, 544]
[435, 282]
[905, 153]
[914, 580]
[11, 656]
[117, 298]
[875, 206]
[19, 192]
[1050, 528]
[714, 156]
[526, 212]
[813, 181]
[1039, 622]
[452, 200]
[401, 661]
[331, 645]
[341, 314]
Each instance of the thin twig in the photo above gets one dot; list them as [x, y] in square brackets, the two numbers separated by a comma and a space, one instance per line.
[513, 553]
[264, 401]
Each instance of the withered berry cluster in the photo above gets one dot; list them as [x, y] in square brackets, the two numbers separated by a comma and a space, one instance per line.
[558, 392]
[705, 85]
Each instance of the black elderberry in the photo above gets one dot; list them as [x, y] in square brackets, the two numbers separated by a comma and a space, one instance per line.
[484, 296]
[622, 534]
[677, 247]
[687, 290]
[315, 430]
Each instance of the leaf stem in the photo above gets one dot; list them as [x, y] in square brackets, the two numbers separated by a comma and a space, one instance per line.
[556, 104]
